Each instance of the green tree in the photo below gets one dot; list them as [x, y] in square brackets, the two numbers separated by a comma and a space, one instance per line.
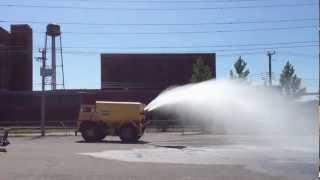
[290, 83]
[240, 71]
[201, 71]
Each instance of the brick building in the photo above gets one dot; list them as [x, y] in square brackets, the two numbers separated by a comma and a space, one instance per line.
[16, 58]
[150, 71]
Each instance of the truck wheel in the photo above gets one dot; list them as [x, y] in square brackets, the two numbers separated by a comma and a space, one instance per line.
[128, 133]
[92, 132]
[142, 132]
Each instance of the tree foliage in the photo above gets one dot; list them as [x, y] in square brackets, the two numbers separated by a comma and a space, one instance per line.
[290, 83]
[241, 71]
[201, 71]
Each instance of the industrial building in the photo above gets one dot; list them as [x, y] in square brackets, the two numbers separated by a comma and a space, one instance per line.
[124, 77]
[16, 58]
[150, 71]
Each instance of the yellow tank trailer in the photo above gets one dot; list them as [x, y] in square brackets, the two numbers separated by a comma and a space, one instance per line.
[124, 119]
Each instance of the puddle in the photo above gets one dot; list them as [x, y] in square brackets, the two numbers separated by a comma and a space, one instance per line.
[260, 159]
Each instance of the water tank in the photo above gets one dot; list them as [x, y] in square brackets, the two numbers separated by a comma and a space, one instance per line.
[53, 30]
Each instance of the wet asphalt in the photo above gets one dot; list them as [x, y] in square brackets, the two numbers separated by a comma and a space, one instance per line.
[237, 158]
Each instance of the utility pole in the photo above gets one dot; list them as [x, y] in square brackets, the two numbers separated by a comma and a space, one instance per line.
[43, 97]
[43, 85]
[44, 73]
[270, 54]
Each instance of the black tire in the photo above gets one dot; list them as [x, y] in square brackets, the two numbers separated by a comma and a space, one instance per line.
[142, 132]
[92, 132]
[128, 133]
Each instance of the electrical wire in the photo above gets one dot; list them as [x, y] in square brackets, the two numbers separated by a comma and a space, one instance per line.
[183, 32]
[157, 9]
[300, 43]
[188, 47]
[167, 24]
[209, 51]
[187, 51]
[161, 1]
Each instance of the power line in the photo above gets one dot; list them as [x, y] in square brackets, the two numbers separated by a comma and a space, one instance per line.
[235, 54]
[300, 43]
[157, 9]
[297, 54]
[161, 47]
[169, 24]
[200, 46]
[248, 51]
[164, 1]
[242, 53]
[184, 32]
[213, 50]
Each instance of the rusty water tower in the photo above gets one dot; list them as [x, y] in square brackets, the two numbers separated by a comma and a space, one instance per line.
[49, 71]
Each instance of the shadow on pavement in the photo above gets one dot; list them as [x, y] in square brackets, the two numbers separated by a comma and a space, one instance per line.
[171, 146]
[3, 150]
[113, 142]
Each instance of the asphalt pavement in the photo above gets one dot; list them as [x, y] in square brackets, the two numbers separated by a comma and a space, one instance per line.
[159, 156]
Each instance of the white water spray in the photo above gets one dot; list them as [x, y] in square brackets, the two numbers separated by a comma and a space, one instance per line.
[232, 107]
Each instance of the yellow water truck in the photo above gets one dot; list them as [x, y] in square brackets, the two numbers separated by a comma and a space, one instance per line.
[124, 119]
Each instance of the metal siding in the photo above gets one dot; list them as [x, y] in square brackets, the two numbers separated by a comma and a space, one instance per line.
[157, 71]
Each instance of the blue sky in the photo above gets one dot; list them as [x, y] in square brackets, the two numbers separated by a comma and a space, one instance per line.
[82, 70]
